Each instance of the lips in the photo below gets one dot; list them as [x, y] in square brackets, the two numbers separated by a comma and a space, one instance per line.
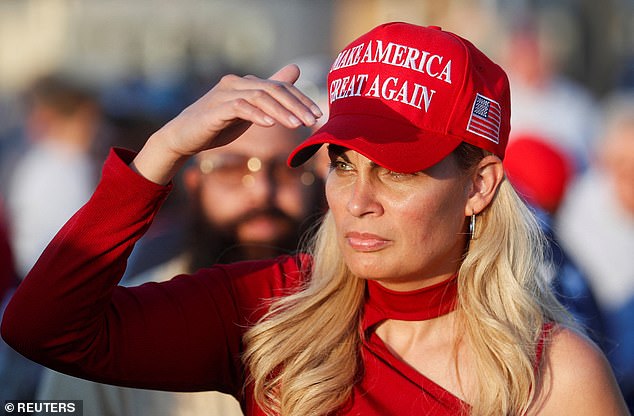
[366, 242]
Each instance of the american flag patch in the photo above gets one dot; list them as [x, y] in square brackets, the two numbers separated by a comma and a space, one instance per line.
[485, 119]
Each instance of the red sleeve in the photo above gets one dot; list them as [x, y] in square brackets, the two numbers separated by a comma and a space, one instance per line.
[8, 277]
[182, 335]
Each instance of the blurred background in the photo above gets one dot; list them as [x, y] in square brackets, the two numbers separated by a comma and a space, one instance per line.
[104, 73]
[161, 46]
[151, 57]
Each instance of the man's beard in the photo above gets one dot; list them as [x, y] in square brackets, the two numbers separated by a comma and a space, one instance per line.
[209, 243]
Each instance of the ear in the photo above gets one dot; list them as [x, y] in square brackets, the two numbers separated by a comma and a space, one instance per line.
[485, 180]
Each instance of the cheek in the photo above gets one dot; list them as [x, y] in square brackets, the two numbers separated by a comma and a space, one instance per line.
[337, 193]
[220, 206]
[336, 204]
[336, 201]
[295, 201]
[435, 218]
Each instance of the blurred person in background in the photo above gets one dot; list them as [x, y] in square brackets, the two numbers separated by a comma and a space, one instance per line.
[54, 176]
[57, 174]
[541, 172]
[546, 102]
[244, 204]
[595, 224]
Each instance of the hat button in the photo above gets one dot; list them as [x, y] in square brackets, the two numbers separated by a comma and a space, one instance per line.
[435, 27]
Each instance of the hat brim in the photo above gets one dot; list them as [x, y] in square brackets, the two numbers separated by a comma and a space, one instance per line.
[394, 145]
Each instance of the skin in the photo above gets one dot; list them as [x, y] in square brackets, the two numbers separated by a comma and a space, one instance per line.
[617, 159]
[577, 380]
[379, 215]
[75, 130]
[221, 116]
[367, 199]
[265, 192]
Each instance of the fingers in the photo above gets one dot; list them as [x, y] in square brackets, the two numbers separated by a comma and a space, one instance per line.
[288, 73]
[272, 100]
[222, 114]
[279, 104]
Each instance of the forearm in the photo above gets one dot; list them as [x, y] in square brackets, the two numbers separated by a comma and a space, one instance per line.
[69, 314]
[155, 161]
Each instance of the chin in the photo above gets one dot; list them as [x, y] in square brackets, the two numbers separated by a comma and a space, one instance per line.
[261, 235]
[369, 270]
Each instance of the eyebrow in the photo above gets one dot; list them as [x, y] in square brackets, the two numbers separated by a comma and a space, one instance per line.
[335, 150]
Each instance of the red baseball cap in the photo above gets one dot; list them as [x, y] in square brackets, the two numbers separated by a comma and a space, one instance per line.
[539, 170]
[405, 96]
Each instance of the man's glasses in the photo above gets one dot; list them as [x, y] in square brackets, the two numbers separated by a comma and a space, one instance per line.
[241, 170]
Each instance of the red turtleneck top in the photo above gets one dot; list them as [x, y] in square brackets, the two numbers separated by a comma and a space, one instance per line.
[185, 335]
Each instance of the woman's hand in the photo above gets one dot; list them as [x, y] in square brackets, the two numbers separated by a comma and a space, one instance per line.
[221, 116]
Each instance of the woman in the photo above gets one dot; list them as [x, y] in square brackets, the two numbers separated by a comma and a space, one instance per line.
[421, 294]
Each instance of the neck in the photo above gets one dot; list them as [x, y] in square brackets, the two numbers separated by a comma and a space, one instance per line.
[398, 285]
[415, 305]
[409, 334]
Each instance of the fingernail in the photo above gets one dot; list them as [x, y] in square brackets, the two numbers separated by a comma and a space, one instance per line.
[316, 111]
[294, 121]
[268, 120]
[309, 119]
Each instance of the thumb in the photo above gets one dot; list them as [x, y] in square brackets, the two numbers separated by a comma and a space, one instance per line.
[289, 73]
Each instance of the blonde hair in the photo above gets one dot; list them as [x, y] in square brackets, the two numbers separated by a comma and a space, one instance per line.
[304, 356]
[504, 300]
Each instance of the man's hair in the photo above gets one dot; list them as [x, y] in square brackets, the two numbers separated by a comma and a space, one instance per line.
[60, 93]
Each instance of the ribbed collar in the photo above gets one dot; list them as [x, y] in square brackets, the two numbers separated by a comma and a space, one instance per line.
[416, 305]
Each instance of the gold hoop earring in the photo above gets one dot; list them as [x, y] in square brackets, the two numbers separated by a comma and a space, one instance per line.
[472, 227]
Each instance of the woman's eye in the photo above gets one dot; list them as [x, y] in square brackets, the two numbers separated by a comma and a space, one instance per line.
[399, 175]
[339, 165]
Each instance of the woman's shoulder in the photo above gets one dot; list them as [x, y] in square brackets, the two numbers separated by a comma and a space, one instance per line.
[572, 354]
[576, 378]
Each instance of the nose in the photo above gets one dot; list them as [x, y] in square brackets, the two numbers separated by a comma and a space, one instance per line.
[260, 187]
[363, 199]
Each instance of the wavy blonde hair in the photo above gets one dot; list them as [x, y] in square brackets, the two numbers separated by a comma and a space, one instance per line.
[304, 356]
